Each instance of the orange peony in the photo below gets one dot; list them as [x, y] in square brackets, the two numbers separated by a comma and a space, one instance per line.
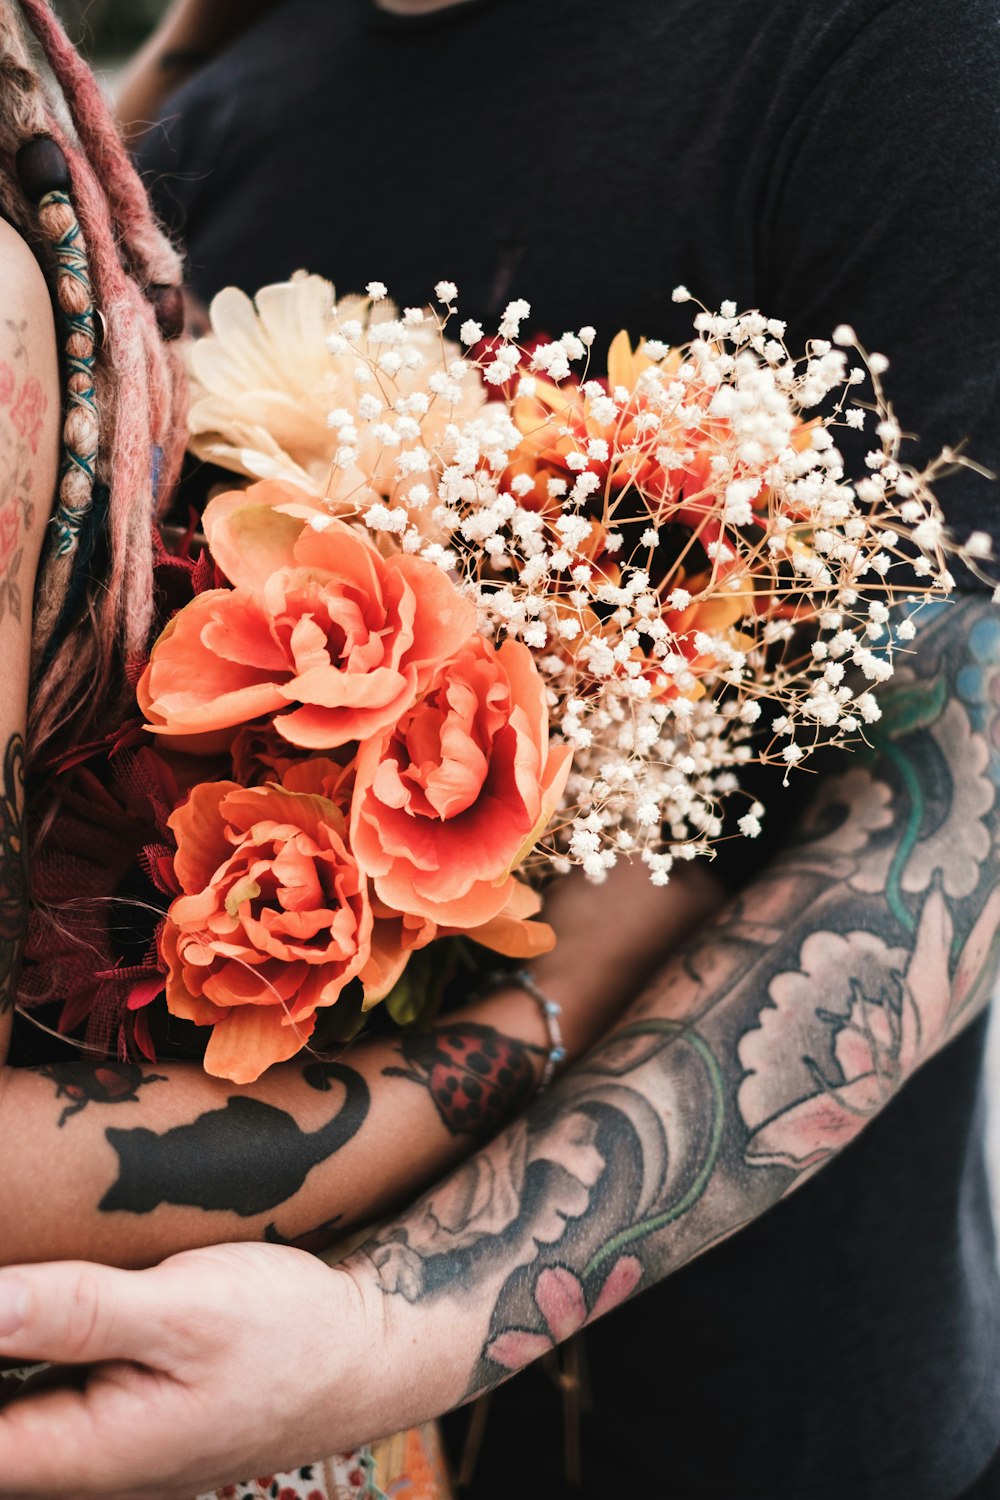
[559, 421]
[274, 921]
[319, 630]
[397, 935]
[451, 799]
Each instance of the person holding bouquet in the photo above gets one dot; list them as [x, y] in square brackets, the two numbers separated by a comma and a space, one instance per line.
[140, 1161]
[864, 951]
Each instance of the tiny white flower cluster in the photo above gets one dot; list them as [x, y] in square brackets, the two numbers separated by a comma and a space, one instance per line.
[679, 544]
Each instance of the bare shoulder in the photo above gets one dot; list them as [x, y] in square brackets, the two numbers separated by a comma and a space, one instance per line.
[23, 284]
[29, 418]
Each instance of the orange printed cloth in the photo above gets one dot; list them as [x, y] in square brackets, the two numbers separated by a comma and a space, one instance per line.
[411, 1464]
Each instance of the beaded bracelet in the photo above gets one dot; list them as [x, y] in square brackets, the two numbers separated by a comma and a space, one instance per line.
[551, 1010]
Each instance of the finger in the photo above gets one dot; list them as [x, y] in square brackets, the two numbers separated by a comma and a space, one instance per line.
[86, 1445]
[78, 1312]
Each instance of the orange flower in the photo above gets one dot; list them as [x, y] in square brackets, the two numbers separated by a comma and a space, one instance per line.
[396, 935]
[451, 799]
[274, 921]
[560, 421]
[259, 754]
[317, 623]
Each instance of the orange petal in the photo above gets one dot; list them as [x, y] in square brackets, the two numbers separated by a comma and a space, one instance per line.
[513, 937]
[511, 932]
[340, 551]
[198, 827]
[388, 958]
[479, 904]
[557, 769]
[252, 540]
[251, 1039]
[621, 362]
[444, 619]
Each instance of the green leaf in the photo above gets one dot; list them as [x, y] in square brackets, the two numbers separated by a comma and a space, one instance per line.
[339, 1024]
[416, 996]
[402, 1000]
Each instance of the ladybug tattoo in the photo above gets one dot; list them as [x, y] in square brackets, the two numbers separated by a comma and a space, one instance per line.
[476, 1076]
[97, 1083]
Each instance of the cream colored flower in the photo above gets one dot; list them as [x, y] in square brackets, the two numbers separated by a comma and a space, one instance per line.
[270, 400]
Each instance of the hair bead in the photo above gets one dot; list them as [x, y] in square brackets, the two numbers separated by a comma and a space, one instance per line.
[42, 168]
[168, 305]
[75, 305]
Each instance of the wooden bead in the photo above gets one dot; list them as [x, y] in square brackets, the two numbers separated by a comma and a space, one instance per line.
[42, 168]
[168, 304]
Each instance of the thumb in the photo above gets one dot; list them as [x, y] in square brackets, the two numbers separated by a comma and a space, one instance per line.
[78, 1312]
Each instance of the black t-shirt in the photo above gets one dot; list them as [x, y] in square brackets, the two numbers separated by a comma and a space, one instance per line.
[827, 161]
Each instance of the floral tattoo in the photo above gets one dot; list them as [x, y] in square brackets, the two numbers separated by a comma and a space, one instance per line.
[23, 405]
[763, 1048]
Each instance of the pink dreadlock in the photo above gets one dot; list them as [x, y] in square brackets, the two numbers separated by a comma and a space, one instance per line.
[80, 204]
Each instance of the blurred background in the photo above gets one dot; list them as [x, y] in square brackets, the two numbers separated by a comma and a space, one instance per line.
[108, 31]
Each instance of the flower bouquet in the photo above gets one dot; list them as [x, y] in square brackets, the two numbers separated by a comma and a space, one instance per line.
[475, 615]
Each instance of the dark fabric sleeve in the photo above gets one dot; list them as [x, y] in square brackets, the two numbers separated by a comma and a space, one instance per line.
[885, 213]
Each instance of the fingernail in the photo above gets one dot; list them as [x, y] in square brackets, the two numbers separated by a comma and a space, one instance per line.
[13, 1304]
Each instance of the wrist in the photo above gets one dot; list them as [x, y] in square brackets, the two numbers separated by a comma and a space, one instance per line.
[416, 1363]
[362, 1313]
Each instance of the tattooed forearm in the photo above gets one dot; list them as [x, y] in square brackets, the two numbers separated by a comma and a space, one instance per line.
[13, 871]
[246, 1158]
[143, 1160]
[764, 1048]
[476, 1076]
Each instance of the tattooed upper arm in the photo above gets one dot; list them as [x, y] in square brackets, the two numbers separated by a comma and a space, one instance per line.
[29, 420]
[29, 423]
[763, 1048]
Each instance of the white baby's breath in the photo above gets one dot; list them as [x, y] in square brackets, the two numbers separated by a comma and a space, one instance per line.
[680, 548]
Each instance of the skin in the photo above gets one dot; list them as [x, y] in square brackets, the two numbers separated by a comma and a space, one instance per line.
[416, 7]
[141, 1161]
[190, 34]
[752, 1058]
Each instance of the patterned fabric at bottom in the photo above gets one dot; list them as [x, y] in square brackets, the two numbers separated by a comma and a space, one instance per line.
[410, 1465]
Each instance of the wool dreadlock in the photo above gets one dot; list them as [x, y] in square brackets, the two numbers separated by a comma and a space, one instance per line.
[80, 205]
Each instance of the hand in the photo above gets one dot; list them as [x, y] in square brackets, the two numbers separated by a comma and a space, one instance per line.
[216, 1365]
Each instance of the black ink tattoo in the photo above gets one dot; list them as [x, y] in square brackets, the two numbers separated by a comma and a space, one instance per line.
[97, 1083]
[13, 872]
[476, 1076]
[313, 1239]
[791, 1020]
[245, 1159]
